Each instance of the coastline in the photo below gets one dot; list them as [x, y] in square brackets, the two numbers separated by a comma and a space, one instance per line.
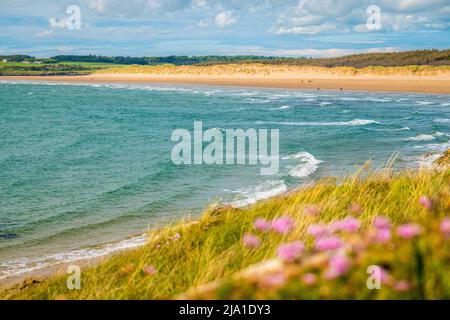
[254, 81]
[410, 84]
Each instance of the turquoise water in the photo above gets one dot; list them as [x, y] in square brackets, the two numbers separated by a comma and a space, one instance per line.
[85, 165]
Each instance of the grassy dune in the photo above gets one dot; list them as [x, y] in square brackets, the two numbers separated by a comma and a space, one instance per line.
[224, 255]
[263, 69]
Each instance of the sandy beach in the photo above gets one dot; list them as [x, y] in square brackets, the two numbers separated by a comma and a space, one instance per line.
[393, 79]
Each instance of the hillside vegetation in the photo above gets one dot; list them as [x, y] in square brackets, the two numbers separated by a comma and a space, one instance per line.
[315, 242]
[386, 59]
[418, 57]
[258, 69]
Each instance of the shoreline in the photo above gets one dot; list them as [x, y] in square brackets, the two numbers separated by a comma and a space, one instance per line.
[430, 85]
[59, 268]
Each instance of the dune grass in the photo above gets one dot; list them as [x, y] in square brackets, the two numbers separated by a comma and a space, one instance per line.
[268, 69]
[191, 254]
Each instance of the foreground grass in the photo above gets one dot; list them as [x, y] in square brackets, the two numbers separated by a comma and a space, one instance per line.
[188, 255]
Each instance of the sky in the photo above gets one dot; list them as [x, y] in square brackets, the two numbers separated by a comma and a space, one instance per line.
[294, 28]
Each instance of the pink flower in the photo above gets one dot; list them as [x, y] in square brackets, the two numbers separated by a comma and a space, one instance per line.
[274, 280]
[383, 236]
[381, 222]
[261, 224]
[355, 208]
[290, 251]
[409, 230]
[175, 237]
[426, 202]
[149, 270]
[337, 266]
[328, 243]
[445, 227]
[384, 276]
[317, 230]
[402, 286]
[311, 210]
[348, 224]
[282, 225]
[309, 279]
[250, 241]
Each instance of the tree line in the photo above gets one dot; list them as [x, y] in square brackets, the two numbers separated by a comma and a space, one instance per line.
[387, 59]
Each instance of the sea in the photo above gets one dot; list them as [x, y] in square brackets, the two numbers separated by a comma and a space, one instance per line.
[86, 169]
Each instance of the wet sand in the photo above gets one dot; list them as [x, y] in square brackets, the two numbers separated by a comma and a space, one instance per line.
[312, 82]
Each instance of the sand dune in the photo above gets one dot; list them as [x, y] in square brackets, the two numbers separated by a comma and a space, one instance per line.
[423, 79]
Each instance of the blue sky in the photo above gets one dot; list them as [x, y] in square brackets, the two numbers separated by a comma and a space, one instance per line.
[197, 27]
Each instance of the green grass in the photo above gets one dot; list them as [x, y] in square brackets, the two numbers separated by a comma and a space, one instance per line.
[48, 69]
[93, 65]
[211, 248]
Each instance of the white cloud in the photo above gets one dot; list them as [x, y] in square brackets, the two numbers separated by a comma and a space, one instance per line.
[305, 30]
[224, 19]
[44, 33]
[98, 5]
[62, 23]
[337, 16]
[203, 23]
[309, 52]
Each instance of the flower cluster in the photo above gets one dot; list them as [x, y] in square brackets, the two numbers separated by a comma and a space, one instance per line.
[343, 243]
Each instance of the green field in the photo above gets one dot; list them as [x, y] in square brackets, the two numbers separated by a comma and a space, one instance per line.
[62, 68]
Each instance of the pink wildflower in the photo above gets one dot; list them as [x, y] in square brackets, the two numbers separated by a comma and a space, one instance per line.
[311, 210]
[317, 230]
[348, 224]
[337, 266]
[309, 279]
[290, 251]
[149, 270]
[383, 236]
[384, 276]
[282, 225]
[445, 227]
[402, 286]
[175, 237]
[409, 230]
[381, 222]
[274, 280]
[355, 208]
[426, 202]
[328, 243]
[261, 224]
[250, 241]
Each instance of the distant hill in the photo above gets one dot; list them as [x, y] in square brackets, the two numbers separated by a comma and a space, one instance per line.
[418, 57]
[391, 59]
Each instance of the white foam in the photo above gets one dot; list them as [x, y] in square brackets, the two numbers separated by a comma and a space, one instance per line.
[420, 137]
[379, 99]
[263, 191]
[309, 164]
[24, 265]
[441, 121]
[426, 137]
[355, 122]
[387, 129]
[424, 103]
[282, 108]
[324, 103]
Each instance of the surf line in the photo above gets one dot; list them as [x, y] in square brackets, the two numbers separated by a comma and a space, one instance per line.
[227, 146]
